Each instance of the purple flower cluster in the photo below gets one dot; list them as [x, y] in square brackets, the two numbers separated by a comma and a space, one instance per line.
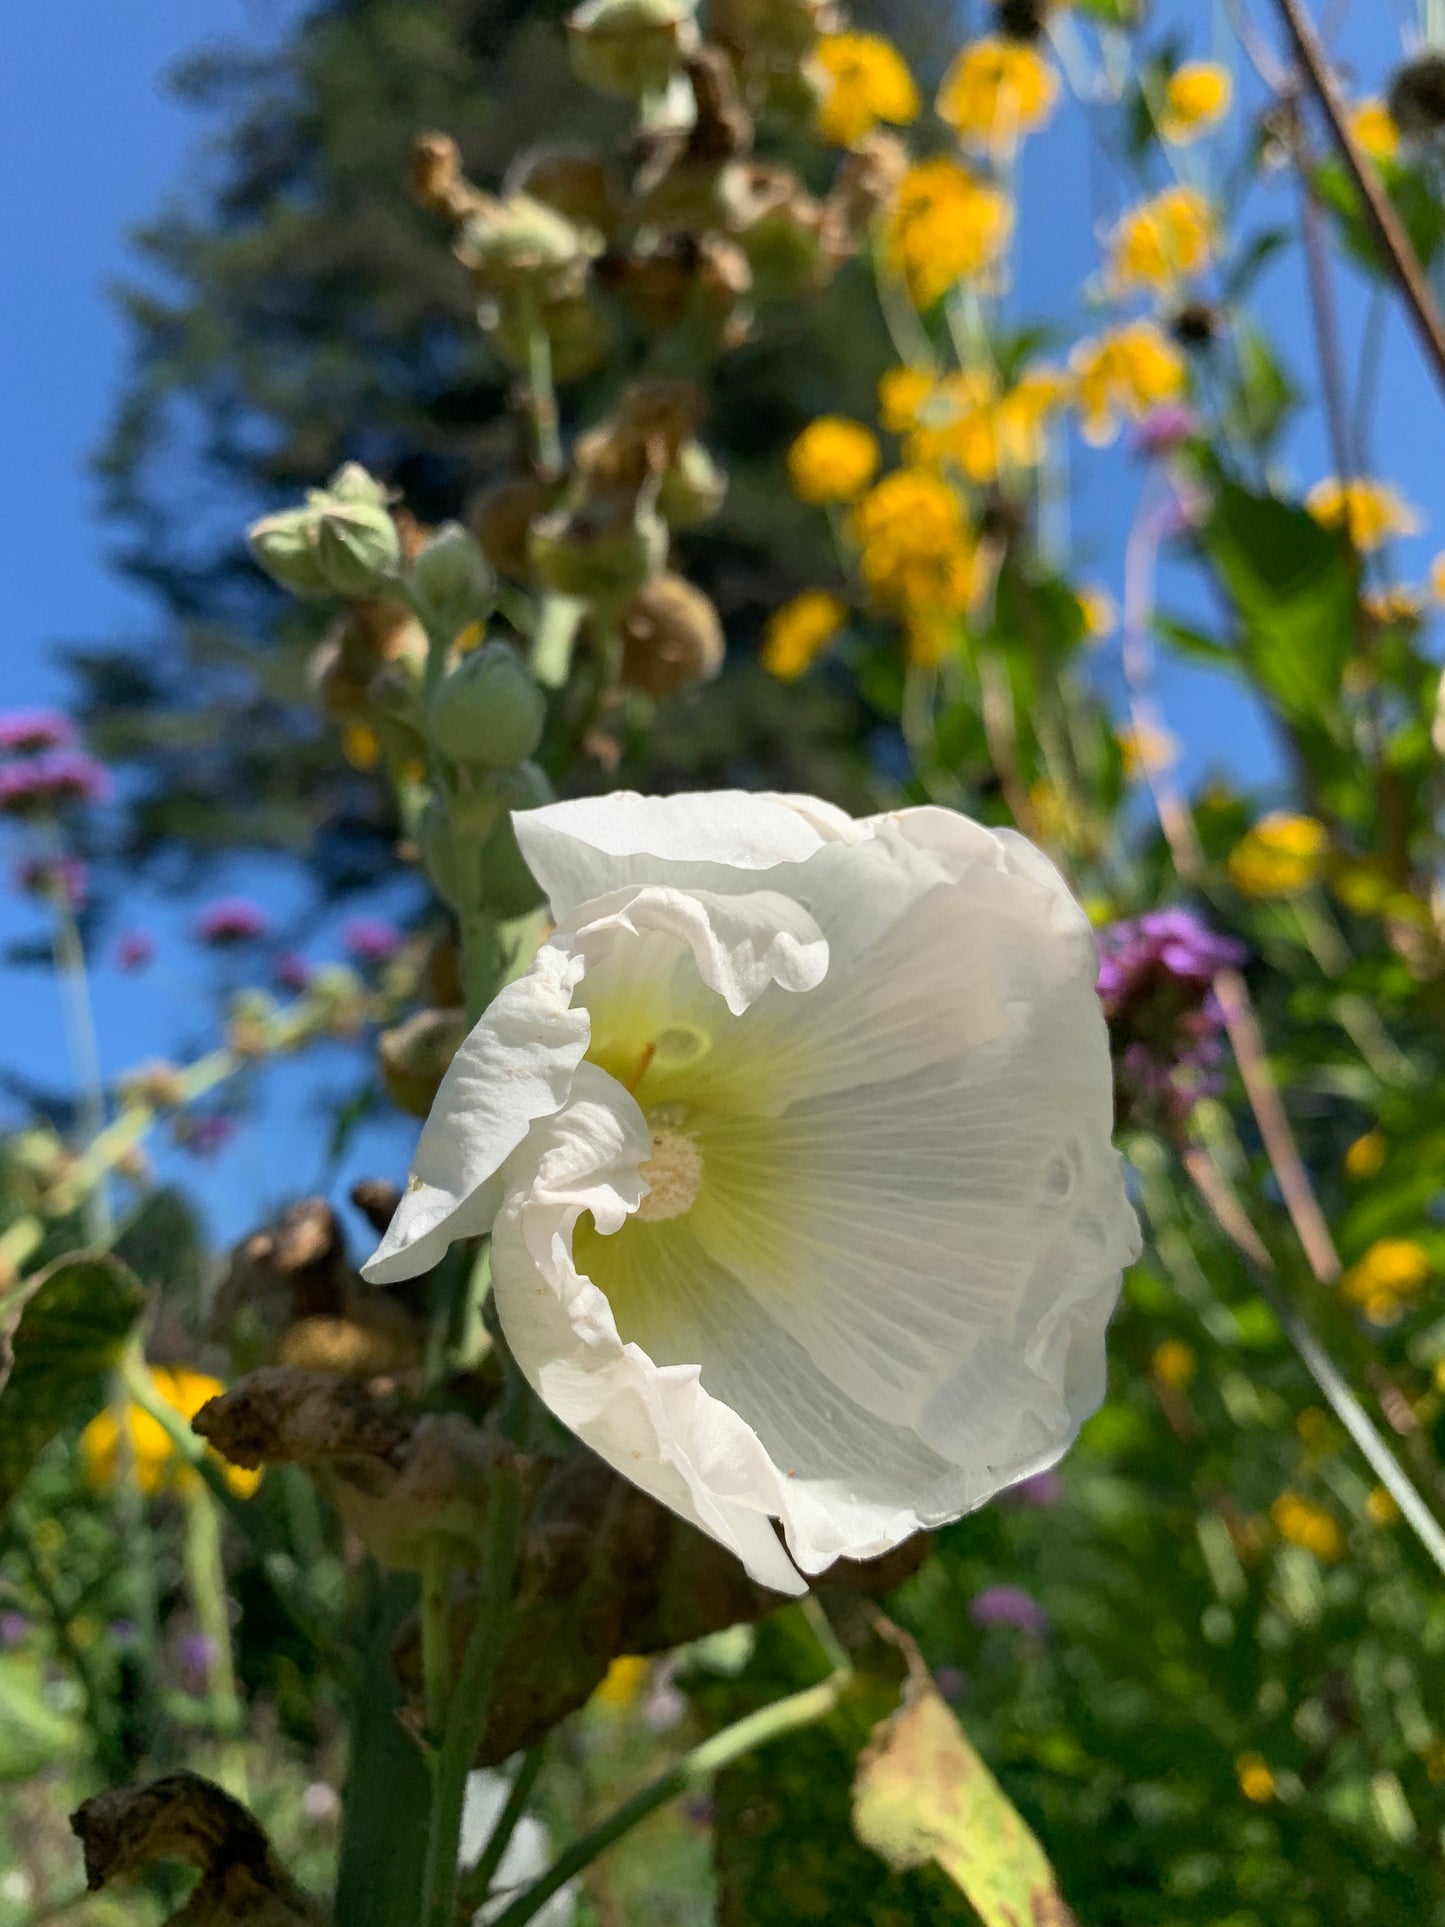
[231, 920]
[1009, 1606]
[1156, 974]
[51, 781]
[64, 878]
[29, 732]
[371, 940]
[134, 949]
[1164, 428]
[293, 972]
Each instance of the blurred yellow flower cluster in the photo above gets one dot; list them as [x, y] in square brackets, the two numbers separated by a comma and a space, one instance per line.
[1388, 1279]
[1173, 1364]
[945, 225]
[833, 460]
[864, 80]
[1374, 129]
[1282, 855]
[159, 1467]
[965, 420]
[995, 91]
[1370, 512]
[799, 632]
[1121, 375]
[1163, 241]
[916, 548]
[1197, 97]
[1256, 1782]
[1301, 1523]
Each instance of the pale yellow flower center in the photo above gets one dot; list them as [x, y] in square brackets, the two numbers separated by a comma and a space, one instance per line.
[673, 1174]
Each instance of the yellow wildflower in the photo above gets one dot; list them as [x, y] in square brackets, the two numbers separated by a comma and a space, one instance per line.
[1381, 1507]
[1122, 375]
[1256, 1782]
[1282, 855]
[966, 421]
[945, 224]
[902, 395]
[623, 1681]
[1197, 98]
[1382, 1283]
[1173, 1364]
[929, 635]
[1374, 129]
[1366, 1155]
[917, 550]
[360, 746]
[1146, 748]
[833, 460]
[865, 80]
[1316, 1428]
[159, 1467]
[1370, 512]
[995, 91]
[1163, 241]
[1301, 1523]
[1097, 607]
[799, 632]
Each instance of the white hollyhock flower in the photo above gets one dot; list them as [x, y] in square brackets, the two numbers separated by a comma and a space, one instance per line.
[794, 1147]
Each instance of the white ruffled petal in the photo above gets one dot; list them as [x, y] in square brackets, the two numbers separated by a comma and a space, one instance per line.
[514, 1067]
[655, 1424]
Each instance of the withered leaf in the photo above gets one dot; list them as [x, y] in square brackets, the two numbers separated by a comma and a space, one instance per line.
[183, 1817]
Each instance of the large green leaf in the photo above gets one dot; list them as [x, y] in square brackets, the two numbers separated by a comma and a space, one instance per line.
[75, 1317]
[1417, 202]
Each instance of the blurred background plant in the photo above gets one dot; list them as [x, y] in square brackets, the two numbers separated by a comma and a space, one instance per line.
[732, 440]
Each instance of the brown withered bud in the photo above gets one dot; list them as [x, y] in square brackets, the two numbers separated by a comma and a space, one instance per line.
[127, 1830]
[865, 184]
[723, 130]
[378, 1341]
[574, 180]
[376, 1199]
[501, 520]
[671, 636]
[436, 177]
[280, 1415]
[651, 425]
[668, 277]
[1416, 97]
[413, 1057]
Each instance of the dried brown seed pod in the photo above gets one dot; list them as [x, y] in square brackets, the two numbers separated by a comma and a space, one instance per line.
[671, 636]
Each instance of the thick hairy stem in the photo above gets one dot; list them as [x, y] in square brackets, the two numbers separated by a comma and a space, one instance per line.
[769, 1723]
[467, 1714]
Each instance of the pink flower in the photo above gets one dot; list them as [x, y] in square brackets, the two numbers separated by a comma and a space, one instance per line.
[1009, 1606]
[371, 940]
[26, 732]
[293, 972]
[134, 949]
[64, 878]
[51, 781]
[231, 920]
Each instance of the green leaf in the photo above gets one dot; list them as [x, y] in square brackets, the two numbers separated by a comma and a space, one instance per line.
[1417, 202]
[75, 1317]
[32, 1734]
[923, 1794]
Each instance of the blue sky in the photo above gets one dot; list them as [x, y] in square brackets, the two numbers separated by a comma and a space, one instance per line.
[90, 144]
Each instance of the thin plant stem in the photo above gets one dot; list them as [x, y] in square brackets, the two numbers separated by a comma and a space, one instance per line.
[757, 1729]
[477, 1885]
[542, 396]
[74, 983]
[467, 1714]
[206, 1583]
[436, 1632]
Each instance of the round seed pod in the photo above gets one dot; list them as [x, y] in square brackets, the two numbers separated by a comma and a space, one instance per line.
[671, 637]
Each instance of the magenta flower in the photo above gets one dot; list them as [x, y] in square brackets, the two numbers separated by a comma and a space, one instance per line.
[64, 879]
[28, 732]
[207, 1135]
[231, 920]
[1164, 428]
[1009, 1606]
[293, 972]
[1042, 1490]
[371, 940]
[134, 949]
[1155, 981]
[52, 781]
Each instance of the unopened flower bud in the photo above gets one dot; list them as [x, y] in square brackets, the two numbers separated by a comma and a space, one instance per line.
[441, 853]
[692, 488]
[1417, 96]
[343, 542]
[285, 547]
[413, 1057]
[773, 30]
[488, 711]
[521, 243]
[779, 227]
[451, 581]
[671, 636]
[502, 521]
[508, 886]
[575, 181]
[596, 553]
[357, 547]
[246, 1029]
[630, 47]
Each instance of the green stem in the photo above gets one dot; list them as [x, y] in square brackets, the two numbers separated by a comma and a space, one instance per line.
[481, 957]
[100, 1702]
[758, 1729]
[436, 1632]
[558, 620]
[134, 1533]
[542, 394]
[477, 1886]
[74, 982]
[206, 1583]
[467, 1715]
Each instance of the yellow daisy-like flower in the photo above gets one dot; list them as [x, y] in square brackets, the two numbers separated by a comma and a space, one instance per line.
[799, 632]
[159, 1467]
[916, 548]
[360, 745]
[1146, 748]
[1197, 98]
[945, 225]
[1122, 375]
[1300, 1523]
[1374, 130]
[833, 460]
[1256, 1782]
[1381, 1507]
[625, 1679]
[964, 421]
[1370, 512]
[1173, 1364]
[996, 91]
[1366, 1156]
[1164, 241]
[865, 80]
[1282, 855]
[902, 394]
[1392, 1273]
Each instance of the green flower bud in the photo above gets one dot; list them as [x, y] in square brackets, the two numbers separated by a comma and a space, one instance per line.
[285, 547]
[451, 581]
[488, 711]
[356, 487]
[343, 542]
[596, 554]
[630, 47]
[508, 886]
[440, 856]
[779, 227]
[357, 546]
[522, 244]
[692, 489]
